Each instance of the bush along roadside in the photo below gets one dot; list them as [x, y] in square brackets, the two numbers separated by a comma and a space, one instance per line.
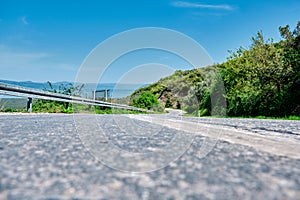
[147, 100]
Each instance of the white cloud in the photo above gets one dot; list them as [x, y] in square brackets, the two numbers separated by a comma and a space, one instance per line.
[24, 20]
[184, 4]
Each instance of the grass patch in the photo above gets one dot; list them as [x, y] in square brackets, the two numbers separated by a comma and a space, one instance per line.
[264, 117]
[279, 118]
[246, 117]
[47, 106]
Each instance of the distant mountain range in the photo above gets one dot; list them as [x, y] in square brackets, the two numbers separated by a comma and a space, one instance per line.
[34, 85]
[117, 90]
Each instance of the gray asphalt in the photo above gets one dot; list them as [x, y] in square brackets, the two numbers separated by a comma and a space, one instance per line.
[42, 156]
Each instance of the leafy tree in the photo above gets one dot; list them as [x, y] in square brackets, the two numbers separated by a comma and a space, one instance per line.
[263, 79]
[291, 46]
[146, 100]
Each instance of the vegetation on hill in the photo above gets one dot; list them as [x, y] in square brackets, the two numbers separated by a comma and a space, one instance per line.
[262, 80]
[148, 101]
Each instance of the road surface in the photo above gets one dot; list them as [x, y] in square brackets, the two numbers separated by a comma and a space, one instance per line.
[42, 156]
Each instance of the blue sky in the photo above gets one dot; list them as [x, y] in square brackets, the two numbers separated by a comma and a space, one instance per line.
[49, 40]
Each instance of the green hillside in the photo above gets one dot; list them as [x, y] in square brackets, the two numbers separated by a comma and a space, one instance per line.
[261, 80]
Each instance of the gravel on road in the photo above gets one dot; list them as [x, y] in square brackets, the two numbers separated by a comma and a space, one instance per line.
[42, 156]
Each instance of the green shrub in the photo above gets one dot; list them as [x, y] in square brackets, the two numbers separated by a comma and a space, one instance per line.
[147, 100]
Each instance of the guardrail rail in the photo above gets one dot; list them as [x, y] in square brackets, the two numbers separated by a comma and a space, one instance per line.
[29, 93]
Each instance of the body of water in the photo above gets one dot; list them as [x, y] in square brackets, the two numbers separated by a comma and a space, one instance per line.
[116, 90]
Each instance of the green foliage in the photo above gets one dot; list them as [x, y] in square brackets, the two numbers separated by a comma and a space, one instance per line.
[51, 106]
[10, 110]
[89, 109]
[148, 101]
[41, 105]
[263, 80]
[292, 117]
[102, 110]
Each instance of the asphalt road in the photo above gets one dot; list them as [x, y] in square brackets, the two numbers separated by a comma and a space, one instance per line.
[51, 156]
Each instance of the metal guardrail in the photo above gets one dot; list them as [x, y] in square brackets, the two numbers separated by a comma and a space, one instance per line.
[13, 90]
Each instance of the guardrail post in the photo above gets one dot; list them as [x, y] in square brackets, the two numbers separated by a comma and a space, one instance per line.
[29, 104]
